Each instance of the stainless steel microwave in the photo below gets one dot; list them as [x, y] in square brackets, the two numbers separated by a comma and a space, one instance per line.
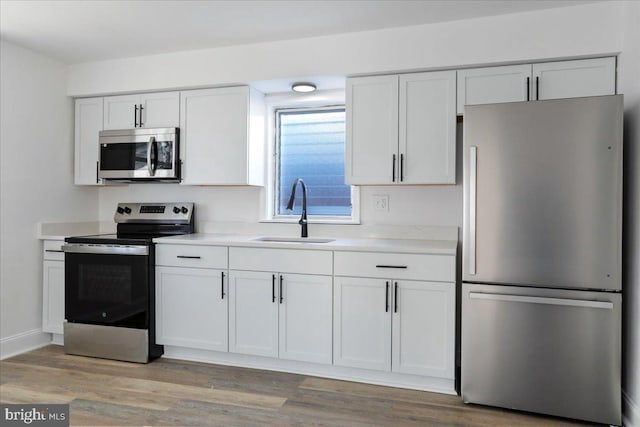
[139, 155]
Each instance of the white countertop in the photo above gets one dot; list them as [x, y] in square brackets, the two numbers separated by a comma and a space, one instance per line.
[438, 247]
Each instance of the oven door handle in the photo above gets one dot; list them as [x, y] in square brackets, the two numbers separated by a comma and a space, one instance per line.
[80, 248]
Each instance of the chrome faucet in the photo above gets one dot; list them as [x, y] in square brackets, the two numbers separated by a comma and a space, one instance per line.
[303, 218]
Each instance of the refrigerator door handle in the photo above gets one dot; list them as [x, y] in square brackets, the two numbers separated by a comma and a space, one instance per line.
[473, 157]
[542, 300]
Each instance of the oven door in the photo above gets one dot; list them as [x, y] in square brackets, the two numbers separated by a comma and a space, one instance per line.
[107, 284]
[145, 154]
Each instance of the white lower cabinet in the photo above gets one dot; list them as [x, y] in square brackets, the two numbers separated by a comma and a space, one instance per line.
[400, 324]
[192, 296]
[305, 318]
[192, 304]
[280, 315]
[362, 329]
[253, 313]
[423, 328]
[53, 287]
[284, 313]
[371, 314]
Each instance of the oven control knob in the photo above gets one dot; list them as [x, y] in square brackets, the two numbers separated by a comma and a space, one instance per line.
[184, 210]
[176, 210]
[127, 210]
[120, 210]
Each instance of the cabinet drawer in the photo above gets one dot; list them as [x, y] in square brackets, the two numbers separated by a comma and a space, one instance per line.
[192, 256]
[440, 268]
[53, 250]
[281, 260]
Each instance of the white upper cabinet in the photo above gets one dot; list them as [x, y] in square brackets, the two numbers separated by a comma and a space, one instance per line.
[149, 110]
[88, 122]
[427, 143]
[372, 130]
[531, 82]
[222, 136]
[570, 79]
[401, 129]
[492, 85]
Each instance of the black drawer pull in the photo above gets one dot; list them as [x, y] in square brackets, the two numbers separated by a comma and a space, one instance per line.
[54, 250]
[391, 266]
[188, 257]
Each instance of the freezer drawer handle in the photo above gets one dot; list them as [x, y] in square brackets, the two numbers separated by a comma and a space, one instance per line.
[390, 266]
[542, 300]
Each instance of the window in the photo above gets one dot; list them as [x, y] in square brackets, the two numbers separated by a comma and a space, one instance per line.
[310, 144]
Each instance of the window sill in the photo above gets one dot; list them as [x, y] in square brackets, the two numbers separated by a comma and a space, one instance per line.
[312, 220]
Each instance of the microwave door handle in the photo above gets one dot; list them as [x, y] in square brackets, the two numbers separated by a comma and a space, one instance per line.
[151, 166]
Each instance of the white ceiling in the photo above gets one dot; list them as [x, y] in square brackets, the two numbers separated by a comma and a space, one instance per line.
[83, 31]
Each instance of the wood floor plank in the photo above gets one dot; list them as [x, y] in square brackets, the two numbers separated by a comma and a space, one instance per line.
[181, 393]
[226, 397]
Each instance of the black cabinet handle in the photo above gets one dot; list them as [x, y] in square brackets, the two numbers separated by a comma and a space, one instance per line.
[97, 172]
[273, 288]
[141, 108]
[537, 88]
[401, 167]
[395, 298]
[528, 88]
[386, 299]
[391, 266]
[222, 287]
[52, 250]
[187, 257]
[393, 169]
[135, 116]
[281, 289]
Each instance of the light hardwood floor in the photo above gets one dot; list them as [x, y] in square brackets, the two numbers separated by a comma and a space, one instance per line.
[178, 393]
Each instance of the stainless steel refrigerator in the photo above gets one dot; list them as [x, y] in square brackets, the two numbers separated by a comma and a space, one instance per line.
[542, 257]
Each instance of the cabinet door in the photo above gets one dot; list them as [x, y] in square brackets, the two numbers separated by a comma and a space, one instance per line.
[88, 122]
[371, 155]
[571, 79]
[214, 136]
[120, 112]
[362, 323]
[53, 296]
[253, 313]
[306, 318]
[423, 328]
[493, 85]
[191, 308]
[160, 110]
[427, 128]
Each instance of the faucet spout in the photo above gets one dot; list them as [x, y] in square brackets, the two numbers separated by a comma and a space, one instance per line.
[303, 218]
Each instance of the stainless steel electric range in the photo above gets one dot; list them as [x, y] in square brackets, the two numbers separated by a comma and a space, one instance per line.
[110, 283]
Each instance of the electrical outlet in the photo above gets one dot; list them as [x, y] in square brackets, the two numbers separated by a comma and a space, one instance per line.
[381, 202]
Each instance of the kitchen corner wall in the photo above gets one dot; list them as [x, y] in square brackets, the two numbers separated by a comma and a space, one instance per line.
[629, 85]
[36, 184]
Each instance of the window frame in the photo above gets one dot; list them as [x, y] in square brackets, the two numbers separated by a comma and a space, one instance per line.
[321, 100]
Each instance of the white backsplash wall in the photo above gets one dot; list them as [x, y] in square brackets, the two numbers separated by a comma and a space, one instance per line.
[433, 205]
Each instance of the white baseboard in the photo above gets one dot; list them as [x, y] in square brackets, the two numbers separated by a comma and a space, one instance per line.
[630, 411]
[415, 382]
[23, 342]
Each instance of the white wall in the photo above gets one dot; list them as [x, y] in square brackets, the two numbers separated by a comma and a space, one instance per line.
[630, 87]
[36, 183]
[553, 33]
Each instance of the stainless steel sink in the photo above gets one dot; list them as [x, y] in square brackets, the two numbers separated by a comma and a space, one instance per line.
[292, 240]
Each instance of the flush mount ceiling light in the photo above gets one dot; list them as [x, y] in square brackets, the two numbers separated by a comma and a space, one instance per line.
[303, 87]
